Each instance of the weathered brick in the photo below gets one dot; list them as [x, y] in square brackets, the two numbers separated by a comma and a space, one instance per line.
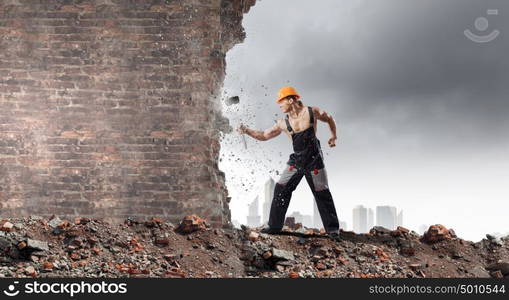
[92, 103]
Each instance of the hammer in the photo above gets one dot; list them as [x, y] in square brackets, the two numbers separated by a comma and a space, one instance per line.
[232, 101]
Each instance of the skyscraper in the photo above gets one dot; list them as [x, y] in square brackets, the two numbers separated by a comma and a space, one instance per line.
[399, 218]
[305, 220]
[360, 219]
[317, 220]
[253, 217]
[268, 194]
[386, 216]
[342, 225]
[371, 219]
[235, 223]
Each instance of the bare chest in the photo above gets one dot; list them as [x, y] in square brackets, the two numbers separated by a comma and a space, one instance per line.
[300, 124]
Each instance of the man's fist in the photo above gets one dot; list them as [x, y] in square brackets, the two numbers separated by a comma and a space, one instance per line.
[242, 129]
[332, 142]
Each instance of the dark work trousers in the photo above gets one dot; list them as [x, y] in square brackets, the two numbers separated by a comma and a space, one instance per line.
[317, 181]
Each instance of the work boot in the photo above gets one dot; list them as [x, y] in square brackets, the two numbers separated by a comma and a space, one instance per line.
[335, 236]
[269, 230]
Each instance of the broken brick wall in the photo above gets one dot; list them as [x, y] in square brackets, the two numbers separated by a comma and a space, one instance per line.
[109, 108]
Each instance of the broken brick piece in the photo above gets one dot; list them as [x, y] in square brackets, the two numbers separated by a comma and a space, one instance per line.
[48, 266]
[290, 222]
[403, 229]
[7, 226]
[154, 222]
[75, 256]
[30, 270]
[162, 241]
[438, 233]
[253, 236]
[342, 260]
[22, 245]
[192, 223]
[63, 225]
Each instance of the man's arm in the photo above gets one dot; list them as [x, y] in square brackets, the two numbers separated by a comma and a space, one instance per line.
[261, 135]
[327, 118]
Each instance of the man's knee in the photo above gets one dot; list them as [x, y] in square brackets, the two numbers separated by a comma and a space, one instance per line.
[287, 174]
[319, 178]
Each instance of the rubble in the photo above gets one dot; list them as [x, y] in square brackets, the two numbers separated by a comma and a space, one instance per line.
[502, 267]
[54, 222]
[438, 233]
[253, 236]
[495, 240]
[192, 223]
[37, 245]
[282, 254]
[155, 248]
[7, 226]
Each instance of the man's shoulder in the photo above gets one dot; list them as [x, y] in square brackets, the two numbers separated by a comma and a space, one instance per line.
[281, 123]
[315, 109]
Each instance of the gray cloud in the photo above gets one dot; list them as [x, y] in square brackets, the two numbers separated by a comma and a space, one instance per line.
[406, 87]
[405, 64]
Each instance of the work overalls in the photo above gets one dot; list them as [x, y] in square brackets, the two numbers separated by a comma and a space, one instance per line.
[307, 160]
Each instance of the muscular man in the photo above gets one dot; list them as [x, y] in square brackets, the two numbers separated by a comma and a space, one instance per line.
[307, 160]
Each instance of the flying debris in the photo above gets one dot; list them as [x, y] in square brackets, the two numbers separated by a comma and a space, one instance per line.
[233, 100]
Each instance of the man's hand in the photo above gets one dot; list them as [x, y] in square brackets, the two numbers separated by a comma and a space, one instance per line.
[332, 141]
[242, 129]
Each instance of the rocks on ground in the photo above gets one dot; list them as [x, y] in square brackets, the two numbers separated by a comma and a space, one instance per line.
[83, 247]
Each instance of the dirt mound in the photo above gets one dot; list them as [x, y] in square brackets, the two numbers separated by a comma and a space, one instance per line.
[38, 247]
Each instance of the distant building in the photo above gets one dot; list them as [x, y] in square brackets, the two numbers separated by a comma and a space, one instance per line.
[253, 217]
[399, 219]
[360, 219]
[297, 216]
[371, 219]
[386, 216]
[305, 220]
[268, 194]
[235, 223]
[342, 225]
[317, 220]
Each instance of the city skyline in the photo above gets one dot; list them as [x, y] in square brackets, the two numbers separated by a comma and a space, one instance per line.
[253, 217]
[363, 218]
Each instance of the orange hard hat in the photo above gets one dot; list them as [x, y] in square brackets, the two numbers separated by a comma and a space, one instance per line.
[285, 92]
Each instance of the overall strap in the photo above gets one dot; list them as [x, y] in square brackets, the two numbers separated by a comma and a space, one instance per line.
[311, 116]
[288, 126]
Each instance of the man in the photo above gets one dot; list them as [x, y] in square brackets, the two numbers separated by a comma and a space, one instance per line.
[300, 125]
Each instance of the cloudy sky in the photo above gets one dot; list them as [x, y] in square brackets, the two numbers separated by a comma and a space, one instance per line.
[421, 109]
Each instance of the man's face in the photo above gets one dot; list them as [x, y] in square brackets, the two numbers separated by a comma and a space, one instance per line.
[284, 104]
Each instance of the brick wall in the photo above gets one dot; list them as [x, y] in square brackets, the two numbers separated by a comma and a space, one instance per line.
[109, 108]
